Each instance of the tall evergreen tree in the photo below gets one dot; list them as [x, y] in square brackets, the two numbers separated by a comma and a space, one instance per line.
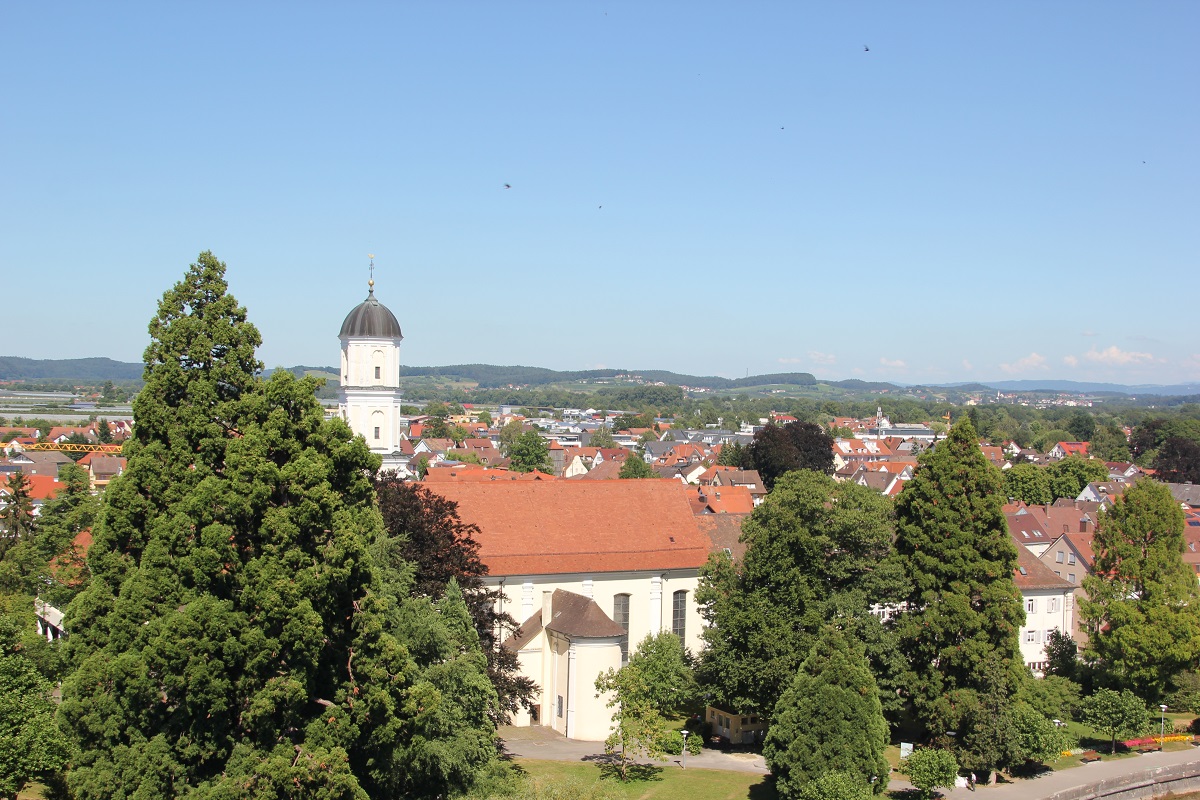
[963, 607]
[16, 518]
[828, 720]
[26, 566]
[1143, 604]
[236, 639]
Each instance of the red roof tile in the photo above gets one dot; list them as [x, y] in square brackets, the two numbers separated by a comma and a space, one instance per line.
[538, 528]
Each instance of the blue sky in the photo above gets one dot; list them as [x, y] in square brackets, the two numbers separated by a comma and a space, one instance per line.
[1004, 190]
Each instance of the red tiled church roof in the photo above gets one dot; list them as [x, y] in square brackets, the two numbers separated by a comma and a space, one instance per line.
[540, 528]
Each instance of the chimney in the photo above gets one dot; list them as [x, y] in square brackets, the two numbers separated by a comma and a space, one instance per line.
[1084, 522]
[547, 607]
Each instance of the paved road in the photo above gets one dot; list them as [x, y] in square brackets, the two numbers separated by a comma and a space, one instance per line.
[1051, 782]
[546, 745]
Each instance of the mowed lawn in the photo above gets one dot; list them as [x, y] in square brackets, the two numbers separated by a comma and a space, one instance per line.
[669, 783]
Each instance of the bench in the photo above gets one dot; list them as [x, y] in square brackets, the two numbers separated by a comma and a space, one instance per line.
[1148, 748]
[1089, 756]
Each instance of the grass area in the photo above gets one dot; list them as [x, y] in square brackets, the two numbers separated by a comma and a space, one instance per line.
[668, 783]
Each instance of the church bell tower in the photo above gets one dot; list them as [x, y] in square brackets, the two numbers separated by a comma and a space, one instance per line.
[369, 400]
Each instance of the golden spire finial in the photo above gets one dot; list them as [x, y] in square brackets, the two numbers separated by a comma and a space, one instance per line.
[371, 280]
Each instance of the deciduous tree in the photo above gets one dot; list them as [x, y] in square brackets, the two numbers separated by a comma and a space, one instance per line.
[31, 744]
[636, 467]
[427, 538]
[930, 769]
[664, 672]
[530, 452]
[1178, 461]
[1029, 483]
[638, 727]
[602, 437]
[1143, 604]
[777, 450]
[816, 550]
[1116, 713]
[1069, 476]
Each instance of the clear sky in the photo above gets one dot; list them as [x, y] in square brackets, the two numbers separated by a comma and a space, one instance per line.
[992, 190]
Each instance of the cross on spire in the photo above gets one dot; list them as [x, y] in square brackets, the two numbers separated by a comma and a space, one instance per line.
[371, 268]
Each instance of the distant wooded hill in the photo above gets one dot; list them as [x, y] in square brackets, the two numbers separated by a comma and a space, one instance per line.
[490, 376]
[13, 368]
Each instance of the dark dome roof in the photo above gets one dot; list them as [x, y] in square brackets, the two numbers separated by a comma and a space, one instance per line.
[371, 319]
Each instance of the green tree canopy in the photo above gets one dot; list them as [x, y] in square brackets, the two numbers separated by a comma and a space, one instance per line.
[31, 744]
[530, 452]
[1116, 713]
[1069, 476]
[816, 550]
[236, 638]
[429, 544]
[636, 467]
[664, 674]
[829, 720]
[777, 450]
[1178, 460]
[1142, 608]
[602, 437]
[1029, 483]
[638, 726]
[1108, 443]
[963, 608]
[16, 518]
[930, 769]
[25, 568]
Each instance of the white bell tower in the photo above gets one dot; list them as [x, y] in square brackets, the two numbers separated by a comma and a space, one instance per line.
[370, 377]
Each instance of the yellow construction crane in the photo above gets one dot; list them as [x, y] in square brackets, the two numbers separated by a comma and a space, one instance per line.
[71, 447]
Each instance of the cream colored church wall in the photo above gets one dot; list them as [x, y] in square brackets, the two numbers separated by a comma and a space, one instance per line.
[361, 356]
[650, 598]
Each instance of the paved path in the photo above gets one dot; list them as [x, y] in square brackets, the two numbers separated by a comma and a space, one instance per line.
[544, 744]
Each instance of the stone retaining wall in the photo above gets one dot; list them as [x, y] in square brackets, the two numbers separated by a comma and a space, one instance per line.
[1141, 785]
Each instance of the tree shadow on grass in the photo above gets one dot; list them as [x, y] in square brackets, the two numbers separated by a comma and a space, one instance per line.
[610, 768]
[763, 790]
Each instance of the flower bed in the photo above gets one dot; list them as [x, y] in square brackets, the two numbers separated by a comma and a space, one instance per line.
[1156, 740]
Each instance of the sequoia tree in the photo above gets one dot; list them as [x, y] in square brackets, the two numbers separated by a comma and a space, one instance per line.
[236, 639]
[828, 720]
[1142, 608]
[963, 608]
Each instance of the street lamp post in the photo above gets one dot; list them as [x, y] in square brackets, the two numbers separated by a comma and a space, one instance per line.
[1162, 728]
[683, 763]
